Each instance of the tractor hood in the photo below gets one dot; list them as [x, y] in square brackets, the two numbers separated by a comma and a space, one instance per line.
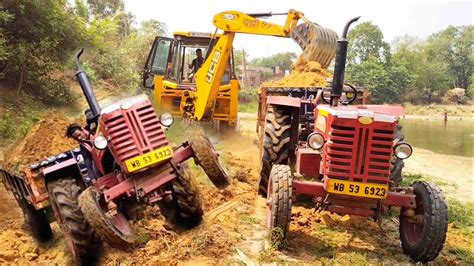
[377, 112]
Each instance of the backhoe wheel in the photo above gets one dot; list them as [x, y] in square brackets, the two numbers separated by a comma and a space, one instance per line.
[208, 158]
[81, 239]
[275, 145]
[110, 225]
[37, 221]
[423, 235]
[279, 204]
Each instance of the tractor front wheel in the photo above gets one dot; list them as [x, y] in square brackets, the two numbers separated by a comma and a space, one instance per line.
[423, 231]
[279, 204]
[81, 239]
[187, 199]
[208, 158]
[111, 225]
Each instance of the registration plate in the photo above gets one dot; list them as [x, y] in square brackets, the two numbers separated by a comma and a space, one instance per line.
[376, 191]
[149, 158]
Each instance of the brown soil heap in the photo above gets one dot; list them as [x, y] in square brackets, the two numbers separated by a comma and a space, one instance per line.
[304, 74]
[45, 139]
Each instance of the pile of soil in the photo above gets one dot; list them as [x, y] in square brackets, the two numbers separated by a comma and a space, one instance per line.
[45, 139]
[304, 74]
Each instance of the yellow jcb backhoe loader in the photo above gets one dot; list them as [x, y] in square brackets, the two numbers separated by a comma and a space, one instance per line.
[212, 92]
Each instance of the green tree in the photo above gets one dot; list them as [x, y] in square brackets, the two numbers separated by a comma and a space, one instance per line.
[283, 60]
[366, 42]
[4, 49]
[105, 8]
[43, 34]
[429, 79]
[453, 46]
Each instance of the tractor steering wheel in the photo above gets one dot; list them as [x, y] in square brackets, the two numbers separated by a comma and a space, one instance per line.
[349, 94]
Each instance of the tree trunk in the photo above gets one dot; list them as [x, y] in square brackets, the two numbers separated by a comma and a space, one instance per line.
[20, 83]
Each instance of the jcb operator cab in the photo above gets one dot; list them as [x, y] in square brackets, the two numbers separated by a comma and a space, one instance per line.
[169, 71]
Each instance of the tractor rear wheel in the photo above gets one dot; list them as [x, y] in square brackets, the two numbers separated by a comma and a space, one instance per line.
[423, 235]
[187, 200]
[275, 144]
[210, 161]
[110, 225]
[280, 189]
[37, 221]
[81, 239]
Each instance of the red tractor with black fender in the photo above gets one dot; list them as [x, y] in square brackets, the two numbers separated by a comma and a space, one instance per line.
[348, 160]
[126, 163]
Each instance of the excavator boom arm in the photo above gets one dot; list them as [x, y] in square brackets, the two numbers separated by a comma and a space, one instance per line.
[239, 22]
[318, 44]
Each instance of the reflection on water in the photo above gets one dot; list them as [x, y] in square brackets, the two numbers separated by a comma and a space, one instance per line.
[454, 137]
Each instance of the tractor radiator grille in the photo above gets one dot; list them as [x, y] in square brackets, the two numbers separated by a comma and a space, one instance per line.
[359, 153]
[135, 131]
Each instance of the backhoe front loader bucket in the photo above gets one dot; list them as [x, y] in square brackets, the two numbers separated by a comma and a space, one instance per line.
[318, 43]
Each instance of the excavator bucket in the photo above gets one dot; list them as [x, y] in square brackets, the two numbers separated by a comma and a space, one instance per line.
[318, 43]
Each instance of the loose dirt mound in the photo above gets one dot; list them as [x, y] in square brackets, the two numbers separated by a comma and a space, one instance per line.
[45, 139]
[304, 74]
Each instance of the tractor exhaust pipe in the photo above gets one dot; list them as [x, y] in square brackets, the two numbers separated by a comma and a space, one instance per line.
[340, 64]
[86, 87]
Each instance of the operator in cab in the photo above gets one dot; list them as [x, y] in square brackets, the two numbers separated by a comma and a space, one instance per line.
[197, 62]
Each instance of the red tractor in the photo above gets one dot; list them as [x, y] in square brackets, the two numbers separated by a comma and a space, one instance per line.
[125, 163]
[348, 160]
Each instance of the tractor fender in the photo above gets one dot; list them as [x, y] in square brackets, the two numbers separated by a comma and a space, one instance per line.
[284, 101]
[67, 168]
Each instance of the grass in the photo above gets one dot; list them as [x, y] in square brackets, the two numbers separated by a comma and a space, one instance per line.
[250, 107]
[410, 178]
[247, 219]
[463, 254]
[248, 100]
[438, 110]
[16, 123]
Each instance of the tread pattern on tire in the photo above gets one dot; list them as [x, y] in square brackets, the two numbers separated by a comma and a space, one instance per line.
[188, 204]
[275, 144]
[209, 161]
[436, 217]
[65, 193]
[88, 201]
[281, 201]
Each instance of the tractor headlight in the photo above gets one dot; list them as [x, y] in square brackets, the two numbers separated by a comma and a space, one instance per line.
[315, 140]
[403, 150]
[100, 142]
[166, 119]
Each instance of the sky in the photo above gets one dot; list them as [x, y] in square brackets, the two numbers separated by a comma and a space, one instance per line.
[395, 17]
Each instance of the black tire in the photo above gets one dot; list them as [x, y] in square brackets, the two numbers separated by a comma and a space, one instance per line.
[280, 190]
[423, 241]
[37, 221]
[115, 230]
[275, 144]
[187, 200]
[208, 158]
[81, 239]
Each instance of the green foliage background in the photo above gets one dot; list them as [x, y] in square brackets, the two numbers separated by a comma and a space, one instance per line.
[38, 40]
[410, 69]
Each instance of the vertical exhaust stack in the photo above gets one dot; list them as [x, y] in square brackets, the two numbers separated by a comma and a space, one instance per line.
[86, 87]
[340, 64]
